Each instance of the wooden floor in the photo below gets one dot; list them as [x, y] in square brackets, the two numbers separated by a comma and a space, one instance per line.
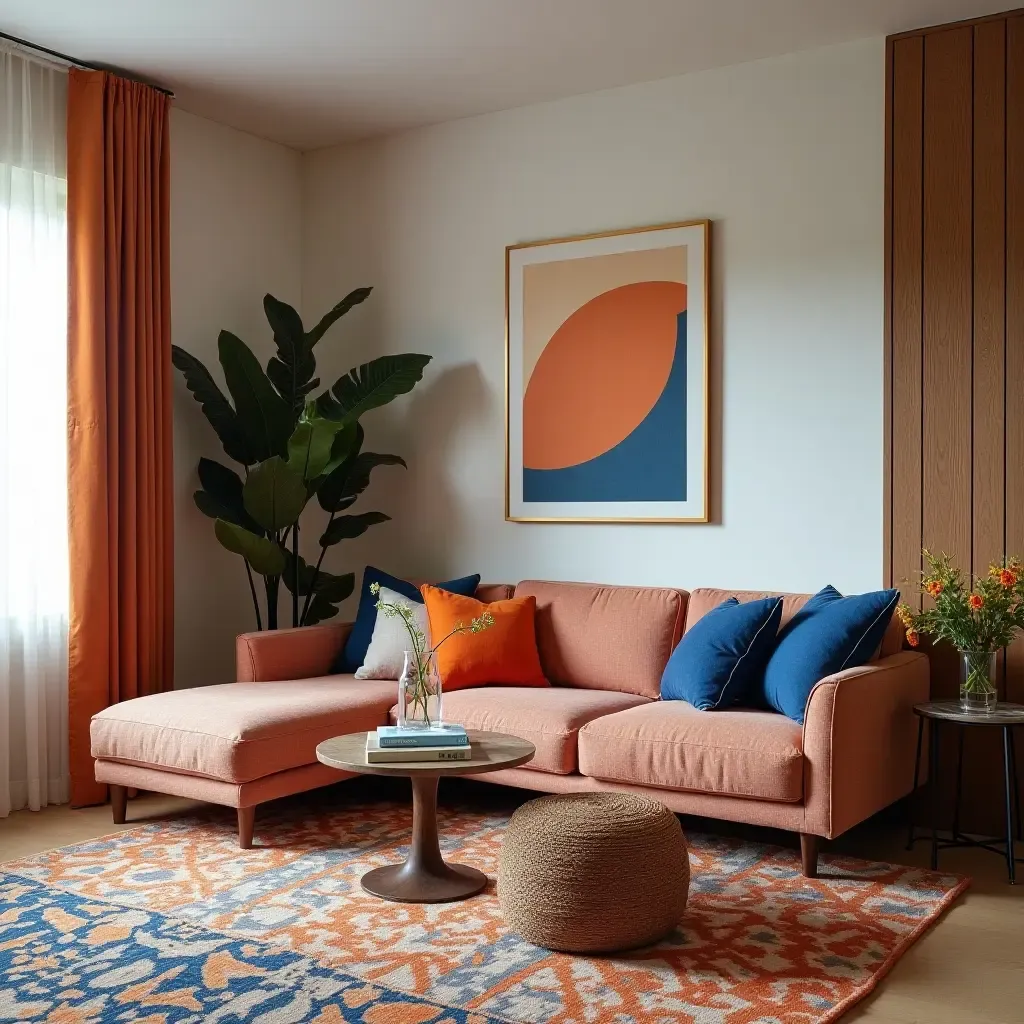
[969, 969]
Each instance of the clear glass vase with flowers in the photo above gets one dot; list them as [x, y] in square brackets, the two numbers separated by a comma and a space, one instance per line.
[419, 687]
[978, 615]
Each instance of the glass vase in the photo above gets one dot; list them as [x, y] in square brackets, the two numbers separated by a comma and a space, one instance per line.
[978, 681]
[419, 692]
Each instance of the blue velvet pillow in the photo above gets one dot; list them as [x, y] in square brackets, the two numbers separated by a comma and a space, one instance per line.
[830, 633]
[721, 657]
[354, 652]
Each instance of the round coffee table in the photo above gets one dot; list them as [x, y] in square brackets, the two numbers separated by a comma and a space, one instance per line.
[425, 877]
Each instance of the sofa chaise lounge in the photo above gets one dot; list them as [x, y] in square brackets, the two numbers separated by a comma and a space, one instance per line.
[600, 726]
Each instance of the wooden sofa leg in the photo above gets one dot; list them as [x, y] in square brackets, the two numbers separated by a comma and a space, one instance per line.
[119, 803]
[246, 820]
[809, 854]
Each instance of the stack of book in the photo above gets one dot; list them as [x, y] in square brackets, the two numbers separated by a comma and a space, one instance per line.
[391, 744]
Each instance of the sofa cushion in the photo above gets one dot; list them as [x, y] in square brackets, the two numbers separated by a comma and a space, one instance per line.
[703, 599]
[488, 592]
[385, 657]
[354, 651]
[829, 634]
[237, 732]
[606, 638]
[549, 718]
[502, 650]
[672, 745]
[720, 662]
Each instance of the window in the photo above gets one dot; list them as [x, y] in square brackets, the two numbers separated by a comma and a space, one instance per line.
[33, 433]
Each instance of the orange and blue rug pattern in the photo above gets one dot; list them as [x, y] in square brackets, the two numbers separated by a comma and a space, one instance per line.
[171, 922]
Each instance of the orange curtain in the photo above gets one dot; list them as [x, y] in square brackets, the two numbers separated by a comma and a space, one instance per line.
[119, 404]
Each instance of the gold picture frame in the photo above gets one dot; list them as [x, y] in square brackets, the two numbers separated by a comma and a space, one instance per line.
[659, 238]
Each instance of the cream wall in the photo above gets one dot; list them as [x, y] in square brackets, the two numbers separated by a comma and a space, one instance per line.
[235, 234]
[786, 157]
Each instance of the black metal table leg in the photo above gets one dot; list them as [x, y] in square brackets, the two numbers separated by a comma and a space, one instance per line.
[1007, 761]
[961, 732]
[1016, 784]
[1005, 716]
[933, 783]
[917, 776]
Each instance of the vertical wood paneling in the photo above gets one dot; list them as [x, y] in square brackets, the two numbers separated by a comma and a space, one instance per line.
[988, 434]
[947, 284]
[887, 573]
[989, 428]
[989, 359]
[955, 317]
[1015, 321]
[906, 230]
[946, 312]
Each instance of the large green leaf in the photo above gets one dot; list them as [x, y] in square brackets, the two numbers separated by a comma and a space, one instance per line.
[262, 554]
[216, 408]
[221, 496]
[223, 483]
[291, 371]
[332, 315]
[211, 508]
[340, 490]
[305, 574]
[326, 584]
[347, 443]
[274, 494]
[319, 609]
[327, 589]
[311, 445]
[334, 588]
[263, 414]
[372, 385]
[348, 527]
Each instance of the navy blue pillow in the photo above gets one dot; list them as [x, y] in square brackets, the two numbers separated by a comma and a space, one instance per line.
[721, 657]
[830, 633]
[354, 652]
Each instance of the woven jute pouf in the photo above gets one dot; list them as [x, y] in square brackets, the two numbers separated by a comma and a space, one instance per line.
[593, 872]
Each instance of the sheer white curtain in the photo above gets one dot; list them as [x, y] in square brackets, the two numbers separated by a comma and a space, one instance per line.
[33, 429]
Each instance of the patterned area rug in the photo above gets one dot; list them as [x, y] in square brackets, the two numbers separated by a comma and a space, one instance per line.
[171, 922]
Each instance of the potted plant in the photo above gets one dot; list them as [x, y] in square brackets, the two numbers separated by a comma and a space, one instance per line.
[978, 615]
[292, 448]
[419, 688]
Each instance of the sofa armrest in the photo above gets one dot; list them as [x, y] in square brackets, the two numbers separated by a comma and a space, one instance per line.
[299, 653]
[860, 737]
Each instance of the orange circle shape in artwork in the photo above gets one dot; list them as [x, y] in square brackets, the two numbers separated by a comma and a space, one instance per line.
[601, 374]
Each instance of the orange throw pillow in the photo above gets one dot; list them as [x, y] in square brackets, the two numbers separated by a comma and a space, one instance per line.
[505, 653]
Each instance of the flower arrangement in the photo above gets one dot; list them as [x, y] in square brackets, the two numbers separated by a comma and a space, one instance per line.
[976, 614]
[419, 679]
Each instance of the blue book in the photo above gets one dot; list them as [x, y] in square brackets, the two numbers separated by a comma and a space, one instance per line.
[441, 736]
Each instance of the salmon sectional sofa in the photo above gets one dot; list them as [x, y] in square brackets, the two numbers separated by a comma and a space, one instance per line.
[600, 726]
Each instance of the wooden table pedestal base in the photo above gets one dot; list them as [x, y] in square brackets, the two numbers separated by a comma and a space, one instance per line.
[424, 877]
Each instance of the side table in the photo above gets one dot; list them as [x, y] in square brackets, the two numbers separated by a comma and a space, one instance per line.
[425, 877]
[1005, 717]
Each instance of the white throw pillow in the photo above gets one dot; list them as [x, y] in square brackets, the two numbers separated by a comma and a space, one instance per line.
[385, 656]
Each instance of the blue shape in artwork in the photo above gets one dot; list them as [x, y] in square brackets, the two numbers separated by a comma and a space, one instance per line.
[647, 465]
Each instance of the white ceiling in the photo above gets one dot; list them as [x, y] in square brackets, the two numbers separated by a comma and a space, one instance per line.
[310, 73]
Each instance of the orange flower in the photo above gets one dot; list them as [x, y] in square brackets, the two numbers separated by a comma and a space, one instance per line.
[975, 601]
[1007, 577]
[934, 587]
[912, 637]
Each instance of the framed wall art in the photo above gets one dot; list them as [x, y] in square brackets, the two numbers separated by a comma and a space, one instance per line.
[606, 377]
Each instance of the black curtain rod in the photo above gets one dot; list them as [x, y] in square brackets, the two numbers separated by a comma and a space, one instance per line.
[83, 63]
